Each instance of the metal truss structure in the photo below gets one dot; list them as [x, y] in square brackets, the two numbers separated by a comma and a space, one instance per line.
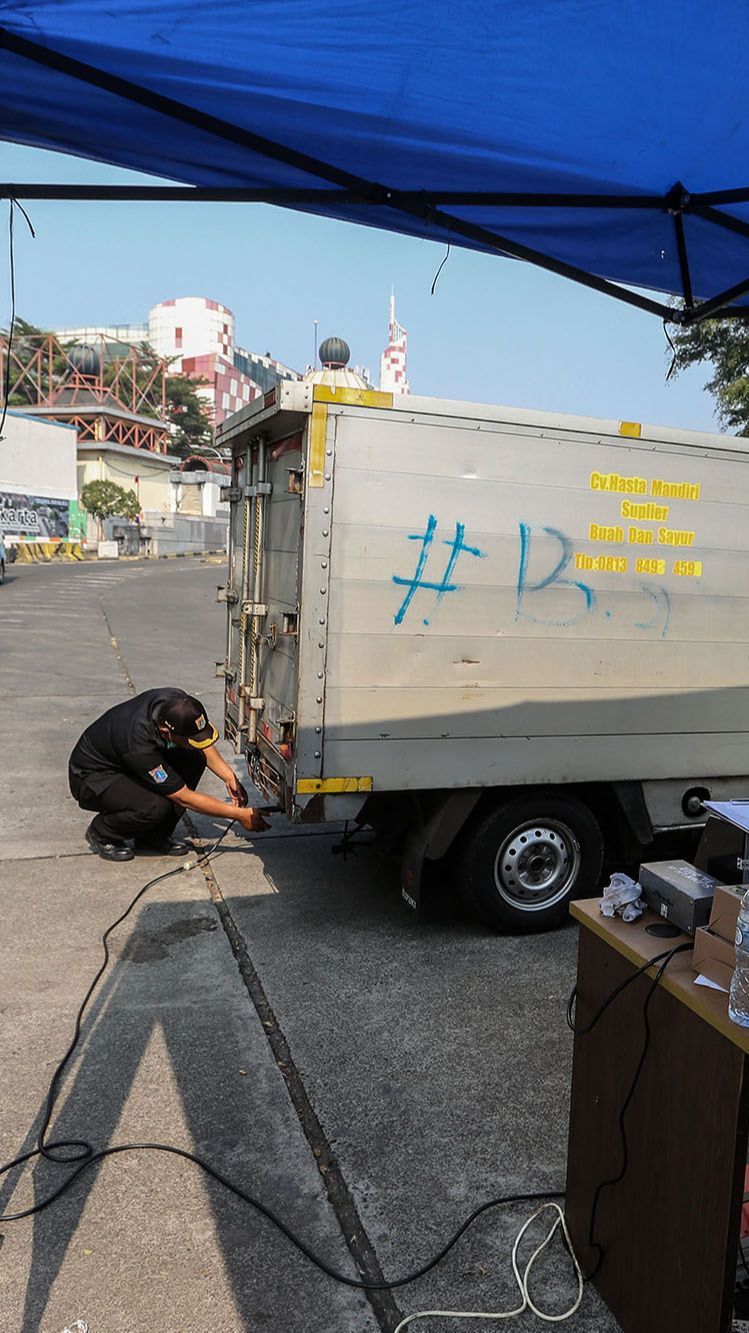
[113, 393]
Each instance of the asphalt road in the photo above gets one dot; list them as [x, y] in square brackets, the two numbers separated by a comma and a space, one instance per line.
[370, 1078]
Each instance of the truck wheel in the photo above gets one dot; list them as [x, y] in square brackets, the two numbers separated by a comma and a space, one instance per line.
[525, 861]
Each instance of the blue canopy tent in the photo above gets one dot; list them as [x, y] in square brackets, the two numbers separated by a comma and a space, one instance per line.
[604, 140]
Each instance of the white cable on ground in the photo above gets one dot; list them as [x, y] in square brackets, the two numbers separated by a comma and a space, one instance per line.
[522, 1281]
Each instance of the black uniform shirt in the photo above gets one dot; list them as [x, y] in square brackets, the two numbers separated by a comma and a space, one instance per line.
[125, 742]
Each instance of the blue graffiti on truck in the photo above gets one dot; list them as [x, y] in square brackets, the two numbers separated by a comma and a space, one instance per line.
[524, 610]
[661, 609]
[457, 547]
[529, 605]
[554, 577]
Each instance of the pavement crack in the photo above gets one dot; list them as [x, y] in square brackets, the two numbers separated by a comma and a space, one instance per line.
[118, 651]
[360, 1247]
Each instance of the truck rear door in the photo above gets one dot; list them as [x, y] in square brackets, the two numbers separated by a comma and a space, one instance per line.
[261, 665]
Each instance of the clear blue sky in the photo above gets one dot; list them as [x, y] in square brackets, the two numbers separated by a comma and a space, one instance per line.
[495, 330]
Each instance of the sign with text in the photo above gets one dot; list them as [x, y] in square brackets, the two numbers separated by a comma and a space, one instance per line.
[33, 516]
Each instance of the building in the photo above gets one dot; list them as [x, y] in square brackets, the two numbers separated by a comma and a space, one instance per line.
[195, 335]
[394, 360]
[38, 490]
[148, 475]
[180, 511]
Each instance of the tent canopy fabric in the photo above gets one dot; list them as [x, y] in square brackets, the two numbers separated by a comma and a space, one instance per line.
[606, 140]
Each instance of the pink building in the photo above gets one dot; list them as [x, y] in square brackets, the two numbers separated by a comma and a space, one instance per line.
[197, 336]
[394, 360]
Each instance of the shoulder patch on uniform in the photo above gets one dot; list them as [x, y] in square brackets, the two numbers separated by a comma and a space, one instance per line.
[158, 774]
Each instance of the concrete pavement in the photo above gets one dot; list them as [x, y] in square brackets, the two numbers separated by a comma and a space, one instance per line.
[425, 1068]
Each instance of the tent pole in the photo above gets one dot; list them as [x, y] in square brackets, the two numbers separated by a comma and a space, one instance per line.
[175, 193]
[238, 194]
[725, 220]
[706, 309]
[681, 246]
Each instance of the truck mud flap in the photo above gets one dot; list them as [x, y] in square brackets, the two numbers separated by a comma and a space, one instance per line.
[412, 867]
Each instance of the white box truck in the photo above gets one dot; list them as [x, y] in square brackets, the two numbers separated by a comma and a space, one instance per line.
[514, 637]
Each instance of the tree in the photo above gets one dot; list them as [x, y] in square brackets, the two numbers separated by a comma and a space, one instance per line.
[105, 499]
[724, 345]
[188, 414]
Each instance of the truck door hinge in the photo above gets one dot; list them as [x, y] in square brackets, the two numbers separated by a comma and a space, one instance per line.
[230, 493]
[255, 701]
[227, 595]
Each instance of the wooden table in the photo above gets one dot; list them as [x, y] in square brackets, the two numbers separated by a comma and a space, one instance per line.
[669, 1230]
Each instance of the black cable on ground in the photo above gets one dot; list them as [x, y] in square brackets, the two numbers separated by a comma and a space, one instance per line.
[81, 1155]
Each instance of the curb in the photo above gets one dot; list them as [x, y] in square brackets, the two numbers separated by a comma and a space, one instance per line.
[46, 553]
[185, 555]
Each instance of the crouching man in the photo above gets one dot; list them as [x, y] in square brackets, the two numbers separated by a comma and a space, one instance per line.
[138, 766]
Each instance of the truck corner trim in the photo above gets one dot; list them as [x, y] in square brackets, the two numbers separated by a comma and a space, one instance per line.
[333, 786]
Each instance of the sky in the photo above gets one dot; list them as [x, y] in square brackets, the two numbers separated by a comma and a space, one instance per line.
[495, 330]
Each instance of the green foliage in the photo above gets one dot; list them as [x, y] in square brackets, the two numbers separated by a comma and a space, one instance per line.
[105, 499]
[188, 414]
[724, 346]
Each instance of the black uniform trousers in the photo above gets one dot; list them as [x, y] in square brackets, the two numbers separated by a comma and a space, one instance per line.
[132, 809]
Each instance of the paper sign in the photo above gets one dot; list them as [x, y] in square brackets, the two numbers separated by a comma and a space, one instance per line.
[734, 812]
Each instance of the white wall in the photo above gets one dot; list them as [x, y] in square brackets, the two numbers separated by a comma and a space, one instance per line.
[38, 458]
[199, 493]
[207, 327]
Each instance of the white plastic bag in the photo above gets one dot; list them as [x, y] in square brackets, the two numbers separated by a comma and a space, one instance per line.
[621, 897]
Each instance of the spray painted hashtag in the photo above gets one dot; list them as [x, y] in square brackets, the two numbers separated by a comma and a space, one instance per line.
[457, 547]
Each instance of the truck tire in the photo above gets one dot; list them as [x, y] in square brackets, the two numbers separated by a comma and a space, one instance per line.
[524, 861]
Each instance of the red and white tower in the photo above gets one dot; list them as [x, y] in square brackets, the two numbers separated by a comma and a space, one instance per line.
[394, 360]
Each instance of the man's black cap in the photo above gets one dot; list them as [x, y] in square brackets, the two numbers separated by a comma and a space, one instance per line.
[187, 718]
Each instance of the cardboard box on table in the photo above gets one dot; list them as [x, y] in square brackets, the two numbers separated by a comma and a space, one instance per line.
[715, 944]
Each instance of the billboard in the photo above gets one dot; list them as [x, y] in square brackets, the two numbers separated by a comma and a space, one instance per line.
[33, 516]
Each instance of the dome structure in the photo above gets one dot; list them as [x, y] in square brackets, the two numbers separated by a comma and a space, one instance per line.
[84, 358]
[335, 354]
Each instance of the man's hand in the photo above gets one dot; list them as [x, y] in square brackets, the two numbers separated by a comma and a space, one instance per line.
[237, 794]
[251, 819]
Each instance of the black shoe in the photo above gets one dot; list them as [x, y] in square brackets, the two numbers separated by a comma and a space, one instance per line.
[110, 851]
[163, 847]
